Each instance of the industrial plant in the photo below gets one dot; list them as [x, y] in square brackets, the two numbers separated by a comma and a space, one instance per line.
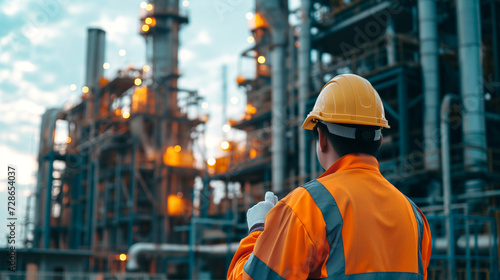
[126, 197]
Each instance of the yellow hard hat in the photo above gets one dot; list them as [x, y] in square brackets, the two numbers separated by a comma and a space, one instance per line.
[347, 99]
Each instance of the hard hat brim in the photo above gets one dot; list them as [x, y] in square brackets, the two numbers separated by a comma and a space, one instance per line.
[312, 119]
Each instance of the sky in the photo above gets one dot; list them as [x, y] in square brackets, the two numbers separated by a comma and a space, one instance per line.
[42, 53]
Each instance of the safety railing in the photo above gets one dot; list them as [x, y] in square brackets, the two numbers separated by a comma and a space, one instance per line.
[468, 251]
[401, 168]
[375, 55]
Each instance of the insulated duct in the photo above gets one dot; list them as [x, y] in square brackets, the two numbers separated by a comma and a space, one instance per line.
[304, 80]
[141, 248]
[483, 244]
[276, 15]
[429, 59]
[471, 77]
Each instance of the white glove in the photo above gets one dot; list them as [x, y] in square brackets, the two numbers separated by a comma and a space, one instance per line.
[257, 214]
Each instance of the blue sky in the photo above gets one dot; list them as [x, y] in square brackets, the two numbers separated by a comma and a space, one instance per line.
[42, 47]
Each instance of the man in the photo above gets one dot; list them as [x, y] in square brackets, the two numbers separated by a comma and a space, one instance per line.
[349, 223]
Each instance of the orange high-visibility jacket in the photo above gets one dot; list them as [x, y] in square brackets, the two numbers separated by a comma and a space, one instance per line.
[349, 224]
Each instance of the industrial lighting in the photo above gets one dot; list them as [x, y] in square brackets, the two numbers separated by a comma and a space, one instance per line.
[106, 65]
[253, 153]
[122, 52]
[148, 20]
[85, 89]
[249, 15]
[234, 100]
[72, 87]
[149, 7]
[226, 127]
[251, 109]
[204, 105]
[146, 68]
[224, 145]
[123, 257]
[143, 5]
[118, 112]
[126, 115]
[68, 140]
[145, 28]
[261, 59]
[177, 148]
[250, 39]
[211, 161]
[185, 3]
[137, 81]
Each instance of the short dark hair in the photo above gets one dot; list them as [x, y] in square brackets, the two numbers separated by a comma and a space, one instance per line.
[344, 146]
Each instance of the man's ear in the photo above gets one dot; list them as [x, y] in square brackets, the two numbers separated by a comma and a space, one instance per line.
[323, 140]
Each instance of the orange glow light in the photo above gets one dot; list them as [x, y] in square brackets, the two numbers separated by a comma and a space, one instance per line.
[123, 257]
[126, 115]
[149, 7]
[145, 28]
[224, 145]
[211, 161]
[175, 205]
[177, 148]
[253, 153]
[251, 109]
[68, 140]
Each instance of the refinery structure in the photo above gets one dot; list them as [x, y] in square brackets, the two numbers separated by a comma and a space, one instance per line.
[119, 196]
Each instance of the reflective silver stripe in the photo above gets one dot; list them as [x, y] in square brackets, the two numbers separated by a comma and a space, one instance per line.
[380, 276]
[420, 225]
[335, 265]
[257, 269]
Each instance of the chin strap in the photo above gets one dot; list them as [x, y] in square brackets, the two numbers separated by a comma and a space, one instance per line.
[351, 132]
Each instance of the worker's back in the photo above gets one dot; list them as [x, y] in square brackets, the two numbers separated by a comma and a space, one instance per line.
[379, 228]
[349, 221]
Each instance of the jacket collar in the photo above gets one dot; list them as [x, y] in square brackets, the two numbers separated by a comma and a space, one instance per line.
[353, 161]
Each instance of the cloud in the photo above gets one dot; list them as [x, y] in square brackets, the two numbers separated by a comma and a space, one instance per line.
[185, 55]
[5, 58]
[203, 38]
[9, 137]
[11, 8]
[21, 110]
[24, 162]
[117, 29]
[24, 66]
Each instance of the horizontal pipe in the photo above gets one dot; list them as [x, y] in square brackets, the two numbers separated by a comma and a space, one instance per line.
[483, 245]
[141, 248]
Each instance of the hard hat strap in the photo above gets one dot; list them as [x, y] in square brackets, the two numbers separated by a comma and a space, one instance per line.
[349, 132]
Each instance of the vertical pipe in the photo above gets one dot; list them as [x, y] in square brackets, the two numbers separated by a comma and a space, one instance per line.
[494, 34]
[48, 202]
[95, 57]
[429, 57]
[304, 80]
[471, 77]
[278, 118]
[88, 201]
[276, 15]
[403, 120]
[390, 35]
[94, 69]
[292, 56]
[445, 162]
[131, 201]
[224, 93]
